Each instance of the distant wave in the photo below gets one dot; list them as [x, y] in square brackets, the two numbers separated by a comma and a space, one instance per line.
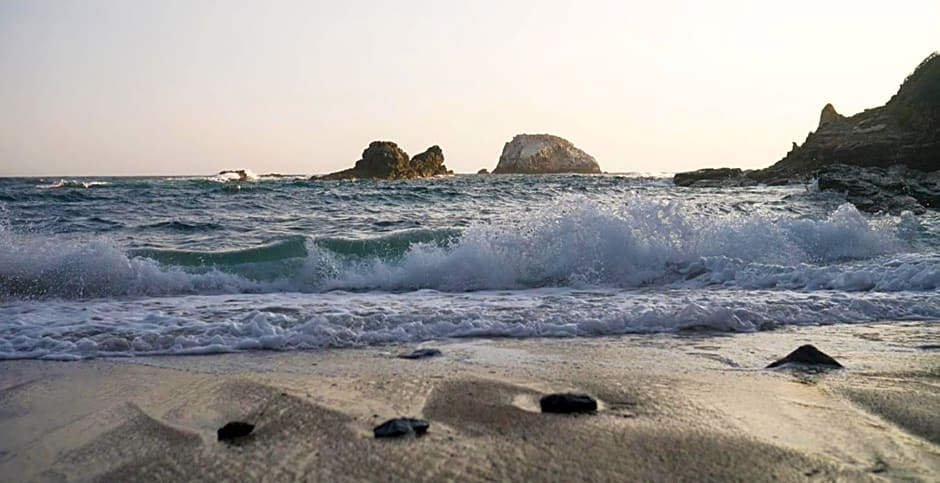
[69, 183]
[180, 226]
[644, 243]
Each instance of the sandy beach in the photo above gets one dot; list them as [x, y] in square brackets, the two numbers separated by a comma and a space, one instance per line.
[692, 407]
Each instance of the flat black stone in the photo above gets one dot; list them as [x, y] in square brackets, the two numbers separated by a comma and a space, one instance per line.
[234, 430]
[809, 356]
[421, 354]
[568, 403]
[397, 427]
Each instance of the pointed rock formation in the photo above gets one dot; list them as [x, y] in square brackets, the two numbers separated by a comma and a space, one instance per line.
[828, 115]
[544, 154]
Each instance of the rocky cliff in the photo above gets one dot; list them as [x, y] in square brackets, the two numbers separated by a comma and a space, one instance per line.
[904, 132]
[385, 160]
[544, 154]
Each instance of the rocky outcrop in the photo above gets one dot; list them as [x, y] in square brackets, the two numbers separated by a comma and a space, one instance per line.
[893, 190]
[904, 132]
[544, 154]
[710, 178]
[385, 160]
[483, 171]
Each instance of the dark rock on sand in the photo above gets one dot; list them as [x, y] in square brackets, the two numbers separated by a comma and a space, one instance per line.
[394, 428]
[904, 132]
[544, 154]
[807, 355]
[235, 430]
[568, 403]
[421, 354]
[385, 160]
[483, 171]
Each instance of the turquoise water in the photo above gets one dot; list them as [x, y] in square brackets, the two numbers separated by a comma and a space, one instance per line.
[124, 266]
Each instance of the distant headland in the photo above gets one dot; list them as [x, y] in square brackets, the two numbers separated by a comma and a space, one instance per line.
[883, 159]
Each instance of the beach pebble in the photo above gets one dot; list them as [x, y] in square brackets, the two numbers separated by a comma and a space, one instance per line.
[421, 354]
[394, 428]
[234, 430]
[807, 355]
[568, 403]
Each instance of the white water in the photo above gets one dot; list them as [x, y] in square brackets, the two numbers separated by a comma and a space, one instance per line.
[222, 323]
[576, 269]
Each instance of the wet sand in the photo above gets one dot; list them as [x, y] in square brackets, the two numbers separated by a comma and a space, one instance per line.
[694, 407]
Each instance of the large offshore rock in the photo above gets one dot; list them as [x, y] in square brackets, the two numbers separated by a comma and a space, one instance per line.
[544, 154]
[385, 160]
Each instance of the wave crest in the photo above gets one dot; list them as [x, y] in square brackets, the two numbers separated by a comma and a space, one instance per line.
[577, 243]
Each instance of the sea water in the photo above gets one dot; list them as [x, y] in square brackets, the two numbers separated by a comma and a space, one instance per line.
[93, 267]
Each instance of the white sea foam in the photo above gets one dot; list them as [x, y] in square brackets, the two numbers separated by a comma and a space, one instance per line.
[69, 183]
[234, 175]
[211, 324]
[575, 269]
[642, 244]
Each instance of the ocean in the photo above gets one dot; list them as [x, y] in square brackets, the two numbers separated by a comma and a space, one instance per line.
[117, 267]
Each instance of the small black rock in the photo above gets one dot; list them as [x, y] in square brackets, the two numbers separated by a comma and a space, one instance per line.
[568, 403]
[421, 354]
[394, 428]
[234, 430]
[807, 355]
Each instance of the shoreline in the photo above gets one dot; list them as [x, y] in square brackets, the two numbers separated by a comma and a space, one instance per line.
[673, 407]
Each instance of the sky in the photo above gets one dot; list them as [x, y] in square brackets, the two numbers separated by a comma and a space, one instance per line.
[128, 87]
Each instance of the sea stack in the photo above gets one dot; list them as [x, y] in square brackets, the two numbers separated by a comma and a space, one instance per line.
[544, 154]
[385, 160]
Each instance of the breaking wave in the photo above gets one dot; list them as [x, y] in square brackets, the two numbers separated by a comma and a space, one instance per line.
[644, 243]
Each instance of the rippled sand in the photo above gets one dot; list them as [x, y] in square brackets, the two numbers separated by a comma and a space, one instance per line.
[689, 407]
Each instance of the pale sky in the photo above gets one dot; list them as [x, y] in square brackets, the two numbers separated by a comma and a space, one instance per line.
[122, 87]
